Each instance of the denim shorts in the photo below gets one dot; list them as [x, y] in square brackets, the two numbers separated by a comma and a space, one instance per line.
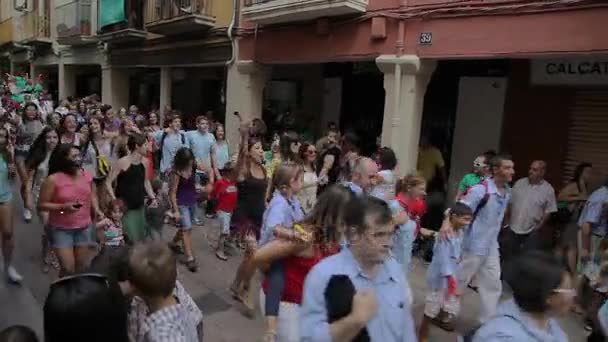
[224, 219]
[187, 215]
[68, 238]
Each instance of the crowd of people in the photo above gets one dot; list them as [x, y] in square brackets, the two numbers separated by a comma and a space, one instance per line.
[332, 231]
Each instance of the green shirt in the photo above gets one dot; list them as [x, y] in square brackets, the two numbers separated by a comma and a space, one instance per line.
[468, 181]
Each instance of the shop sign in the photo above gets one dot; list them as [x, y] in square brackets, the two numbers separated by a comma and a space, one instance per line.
[571, 71]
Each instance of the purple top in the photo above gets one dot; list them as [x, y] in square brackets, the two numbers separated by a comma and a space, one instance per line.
[186, 191]
[112, 125]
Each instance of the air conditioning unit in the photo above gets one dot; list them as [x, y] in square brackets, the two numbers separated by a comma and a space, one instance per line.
[20, 5]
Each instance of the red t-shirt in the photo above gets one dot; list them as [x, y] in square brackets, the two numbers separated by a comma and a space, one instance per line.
[225, 192]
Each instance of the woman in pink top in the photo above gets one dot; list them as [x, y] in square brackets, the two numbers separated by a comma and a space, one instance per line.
[68, 194]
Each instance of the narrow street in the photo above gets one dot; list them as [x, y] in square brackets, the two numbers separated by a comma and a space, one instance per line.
[223, 320]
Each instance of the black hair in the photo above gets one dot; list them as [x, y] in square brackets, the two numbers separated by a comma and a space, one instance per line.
[362, 208]
[85, 308]
[533, 277]
[489, 154]
[29, 104]
[287, 139]
[112, 263]
[104, 108]
[497, 160]
[18, 333]
[60, 161]
[38, 151]
[578, 172]
[135, 139]
[91, 138]
[183, 157]
[461, 209]
[61, 128]
[387, 158]
[351, 141]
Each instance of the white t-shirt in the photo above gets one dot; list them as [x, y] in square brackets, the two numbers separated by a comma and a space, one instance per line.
[529, 203]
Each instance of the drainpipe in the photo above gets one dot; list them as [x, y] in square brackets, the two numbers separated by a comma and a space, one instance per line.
[400, 44]
[235, 15]
[233, 43]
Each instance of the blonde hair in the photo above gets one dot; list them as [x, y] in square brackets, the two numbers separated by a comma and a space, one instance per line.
[405, 184]
[284, 174]
[153, 269]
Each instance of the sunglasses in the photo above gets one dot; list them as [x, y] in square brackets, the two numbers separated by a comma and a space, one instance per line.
[311, 152]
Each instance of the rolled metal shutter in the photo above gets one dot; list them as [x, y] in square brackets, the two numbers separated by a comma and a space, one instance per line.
[588, 132]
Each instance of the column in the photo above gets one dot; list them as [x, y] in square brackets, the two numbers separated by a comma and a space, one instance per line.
[34, 70]
[405, 81]
[115, 86]
[67, 80]
[165, 92]
[244, 94]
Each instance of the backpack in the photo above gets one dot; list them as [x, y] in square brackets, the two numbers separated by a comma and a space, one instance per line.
[484, 200]
[162, 143]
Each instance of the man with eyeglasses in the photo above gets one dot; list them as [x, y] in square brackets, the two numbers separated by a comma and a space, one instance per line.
[381, 305]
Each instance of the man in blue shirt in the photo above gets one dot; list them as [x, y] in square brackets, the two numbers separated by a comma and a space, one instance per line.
[170, 140]
[202, 143]
[481, 259]
[594, 224]
[382, 303]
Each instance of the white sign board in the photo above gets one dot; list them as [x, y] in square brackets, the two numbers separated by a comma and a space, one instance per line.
[570, 71]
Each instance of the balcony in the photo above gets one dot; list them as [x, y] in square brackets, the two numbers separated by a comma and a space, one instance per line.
[129, 29]
[6, 32]
[281, 11]
[32, 28]
[173, 17]
[74, 21]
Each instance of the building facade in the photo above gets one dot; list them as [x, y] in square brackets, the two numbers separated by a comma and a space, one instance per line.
[527, 77]
[154, 54]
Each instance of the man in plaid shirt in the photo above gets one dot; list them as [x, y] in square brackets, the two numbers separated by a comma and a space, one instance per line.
[153, 274]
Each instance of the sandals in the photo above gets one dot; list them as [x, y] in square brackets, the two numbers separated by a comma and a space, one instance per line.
[444, 325]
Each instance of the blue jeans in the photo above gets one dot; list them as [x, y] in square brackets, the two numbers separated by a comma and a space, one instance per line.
[274, 292]
[187, 214]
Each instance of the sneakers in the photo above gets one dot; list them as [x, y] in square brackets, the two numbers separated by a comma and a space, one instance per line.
[221, 255]
[198, 222]
[27, 215]
[13, 276]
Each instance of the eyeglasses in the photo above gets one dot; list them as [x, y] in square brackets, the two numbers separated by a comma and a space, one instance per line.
[95, 276]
